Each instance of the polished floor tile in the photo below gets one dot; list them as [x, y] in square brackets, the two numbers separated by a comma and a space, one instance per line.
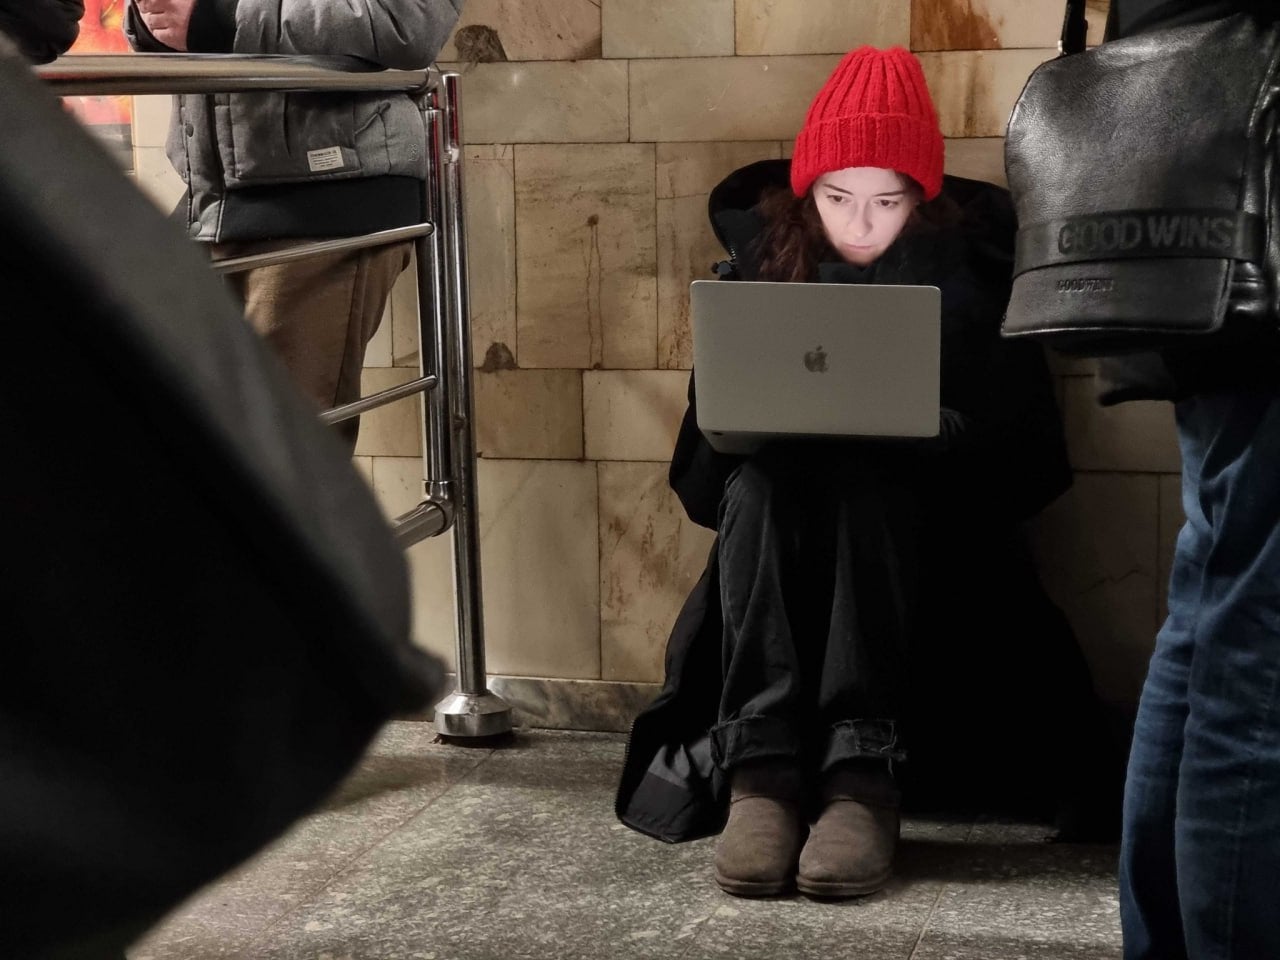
[438, 852]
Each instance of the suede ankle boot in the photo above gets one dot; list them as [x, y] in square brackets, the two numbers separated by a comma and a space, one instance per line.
[851, 846]
[757, 853]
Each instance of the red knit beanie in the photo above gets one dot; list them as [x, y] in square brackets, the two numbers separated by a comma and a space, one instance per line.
[873, 111]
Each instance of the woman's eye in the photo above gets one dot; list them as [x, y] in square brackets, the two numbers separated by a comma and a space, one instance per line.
[889, 204]
[835, 198]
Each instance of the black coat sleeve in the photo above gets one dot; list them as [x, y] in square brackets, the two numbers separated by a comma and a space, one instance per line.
[698, 473]
[1002, 444]
[1011, 457]
[42, 29]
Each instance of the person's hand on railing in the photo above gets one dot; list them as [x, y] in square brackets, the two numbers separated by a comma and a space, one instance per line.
[167, 20]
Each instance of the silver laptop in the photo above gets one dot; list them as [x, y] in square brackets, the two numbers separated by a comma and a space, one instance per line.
[817, 360]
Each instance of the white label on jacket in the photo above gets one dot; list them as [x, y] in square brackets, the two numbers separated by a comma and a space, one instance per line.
[329, 158]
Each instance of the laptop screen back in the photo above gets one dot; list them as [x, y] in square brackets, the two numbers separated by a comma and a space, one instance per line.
[814, 360]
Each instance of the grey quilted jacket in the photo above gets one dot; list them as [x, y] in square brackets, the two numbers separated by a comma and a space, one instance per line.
[264, 165]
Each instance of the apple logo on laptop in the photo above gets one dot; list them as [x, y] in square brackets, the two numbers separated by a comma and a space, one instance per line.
[815, 361]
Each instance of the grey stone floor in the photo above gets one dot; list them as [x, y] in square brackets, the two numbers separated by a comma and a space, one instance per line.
[436, 852]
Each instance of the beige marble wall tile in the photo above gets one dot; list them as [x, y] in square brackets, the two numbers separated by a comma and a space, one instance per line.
[975, 90]
[431, 585]
[489, 190]
[529, 414]
[539, 539]
[365, 466]
[397, 483]
[993, 24]
[151, 120]
[585, 240]
[155, 176]
[378, 351]
[633, 414]
[404, 316]
[1172, 517]
[981, 158]
[687, 246]
[1097, 550]
[1128, 436]
[525, 30]
[771, 27]
[394, 430]
[642, 29]
[583, 101]
[724, 98]
[691, 170]
[651, 555]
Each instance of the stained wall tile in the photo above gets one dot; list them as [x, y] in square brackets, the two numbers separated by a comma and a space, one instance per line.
[980, 158]
[397, 484]
[540, 557]
[529, 414]
[975, 91]
[365, 467]
[772, 27]
[394, 430]
[993, 24]
[1138, 436]
[490, 30]
[377, 352]
[539, 566]
[724, 98]
[633, 414]
[651, 555]
[489, 192]
[1097, 551]
[491, 247]
[587, 292]
[403, 304]
[580, 101]
[691, 170]
[667, 28]
[687, 246]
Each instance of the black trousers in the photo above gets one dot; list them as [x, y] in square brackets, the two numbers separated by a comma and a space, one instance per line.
[820, 574]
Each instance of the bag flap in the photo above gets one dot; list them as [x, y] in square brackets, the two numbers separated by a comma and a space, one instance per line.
[1128, 168]
[1151, 123]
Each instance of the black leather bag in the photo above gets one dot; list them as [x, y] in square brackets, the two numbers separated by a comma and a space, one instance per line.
[1143, 174]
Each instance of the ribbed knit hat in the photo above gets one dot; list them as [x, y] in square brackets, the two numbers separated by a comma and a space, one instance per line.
[873, 111]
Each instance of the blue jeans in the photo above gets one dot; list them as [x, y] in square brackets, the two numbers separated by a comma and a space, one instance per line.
[1200, 854]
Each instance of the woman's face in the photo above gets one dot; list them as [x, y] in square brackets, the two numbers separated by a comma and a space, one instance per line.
[863, 210]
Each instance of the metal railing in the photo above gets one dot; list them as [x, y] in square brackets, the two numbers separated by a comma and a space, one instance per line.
[444, 329]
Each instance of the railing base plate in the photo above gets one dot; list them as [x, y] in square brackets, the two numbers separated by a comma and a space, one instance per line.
[473, 715]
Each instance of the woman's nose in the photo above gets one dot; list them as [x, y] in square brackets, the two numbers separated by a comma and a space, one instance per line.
[862, 222]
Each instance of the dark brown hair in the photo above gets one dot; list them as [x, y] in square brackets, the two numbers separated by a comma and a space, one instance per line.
[793, 243]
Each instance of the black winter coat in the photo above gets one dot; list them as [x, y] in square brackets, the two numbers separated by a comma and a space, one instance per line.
[999, 458]
[42, 29]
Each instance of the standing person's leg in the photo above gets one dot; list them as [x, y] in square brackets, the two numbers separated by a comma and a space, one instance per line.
[1227, 829]
[1149, 912]
[319, 314]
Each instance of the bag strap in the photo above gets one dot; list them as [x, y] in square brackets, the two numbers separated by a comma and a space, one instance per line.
[1075, 29]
